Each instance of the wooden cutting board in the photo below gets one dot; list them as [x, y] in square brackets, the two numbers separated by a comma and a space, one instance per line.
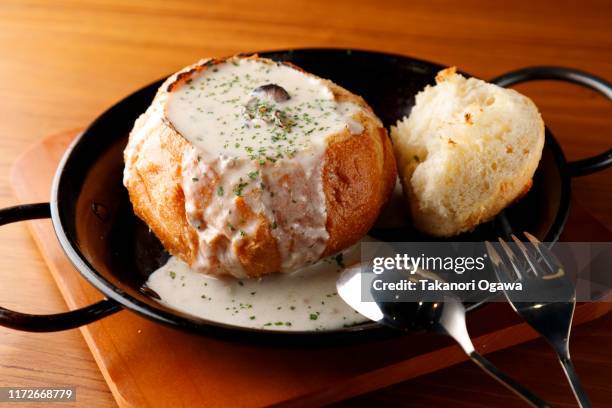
[147, 364]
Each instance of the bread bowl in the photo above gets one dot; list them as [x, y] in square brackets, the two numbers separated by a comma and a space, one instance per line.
[467, 151]
[244, 166]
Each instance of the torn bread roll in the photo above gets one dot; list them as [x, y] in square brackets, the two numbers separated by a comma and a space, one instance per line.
[245, 166]
[467, 151]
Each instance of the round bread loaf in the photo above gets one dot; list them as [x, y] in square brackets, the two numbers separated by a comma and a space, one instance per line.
[467, 150]
[245, 166]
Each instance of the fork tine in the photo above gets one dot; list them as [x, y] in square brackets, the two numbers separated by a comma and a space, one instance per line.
[531, 260]
[547, 256]
[511, 257]
[499, 266]
[555, 267]
[493, 255]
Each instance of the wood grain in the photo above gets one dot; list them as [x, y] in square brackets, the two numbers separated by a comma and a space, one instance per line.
[188, 370]
[65, 61]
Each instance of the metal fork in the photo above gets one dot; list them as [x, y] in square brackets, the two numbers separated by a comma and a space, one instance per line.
[540, 272]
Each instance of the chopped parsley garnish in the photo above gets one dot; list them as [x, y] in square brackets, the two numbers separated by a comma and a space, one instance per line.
[238, 188]
[220, 191]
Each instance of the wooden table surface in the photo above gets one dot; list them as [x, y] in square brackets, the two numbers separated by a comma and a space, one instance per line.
[64, 62]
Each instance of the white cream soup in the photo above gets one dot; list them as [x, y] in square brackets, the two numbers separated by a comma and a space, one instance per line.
[302, 300]
[258, 130]
[256, 109]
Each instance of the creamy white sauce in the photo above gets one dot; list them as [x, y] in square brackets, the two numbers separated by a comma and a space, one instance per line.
[276, 170]
[270, 152]
[302, 300]
[212, 110]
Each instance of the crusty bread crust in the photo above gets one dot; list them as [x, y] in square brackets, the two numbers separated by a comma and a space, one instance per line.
[156, 193]
[358, 175]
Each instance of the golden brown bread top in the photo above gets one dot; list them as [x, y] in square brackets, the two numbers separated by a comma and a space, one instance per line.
[356, 173]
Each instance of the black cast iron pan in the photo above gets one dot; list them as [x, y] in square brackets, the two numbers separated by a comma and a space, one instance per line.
[115, 251]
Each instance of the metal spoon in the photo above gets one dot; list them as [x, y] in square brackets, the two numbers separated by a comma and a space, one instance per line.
[446, 317]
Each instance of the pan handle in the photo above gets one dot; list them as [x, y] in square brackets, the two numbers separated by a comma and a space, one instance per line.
[580, 167]
[52, 322]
